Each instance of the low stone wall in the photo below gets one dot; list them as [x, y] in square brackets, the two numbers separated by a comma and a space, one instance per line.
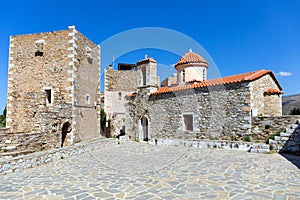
[264, 127]
[12, 164]
[22, 142]
[219, 144]
[292, 145]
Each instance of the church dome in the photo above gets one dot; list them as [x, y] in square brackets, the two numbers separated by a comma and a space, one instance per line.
[191, 58]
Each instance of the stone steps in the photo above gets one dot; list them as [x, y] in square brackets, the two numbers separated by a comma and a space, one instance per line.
[260, 148]
[290, 135]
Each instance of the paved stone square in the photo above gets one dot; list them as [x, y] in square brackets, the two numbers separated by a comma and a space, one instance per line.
[141, 171]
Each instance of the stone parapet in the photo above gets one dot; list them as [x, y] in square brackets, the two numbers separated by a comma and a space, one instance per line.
[12, 164]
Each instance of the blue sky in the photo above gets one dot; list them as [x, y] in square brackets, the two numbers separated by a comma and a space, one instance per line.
[239, 36]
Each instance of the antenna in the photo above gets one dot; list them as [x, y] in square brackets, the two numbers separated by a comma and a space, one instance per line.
[113, 60]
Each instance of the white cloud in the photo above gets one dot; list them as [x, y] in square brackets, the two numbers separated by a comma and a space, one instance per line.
[284, 74]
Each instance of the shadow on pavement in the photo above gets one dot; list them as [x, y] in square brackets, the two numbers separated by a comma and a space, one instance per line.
[293, 158]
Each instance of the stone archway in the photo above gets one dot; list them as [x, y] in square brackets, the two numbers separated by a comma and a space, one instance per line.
[64, 131]
[144, 132]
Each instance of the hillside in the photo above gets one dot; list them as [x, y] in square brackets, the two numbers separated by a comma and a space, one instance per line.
[289, 103]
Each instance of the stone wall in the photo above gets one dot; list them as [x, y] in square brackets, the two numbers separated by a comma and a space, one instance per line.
[13, 164]
[118, 84]
[86, 112]
[38, 62]
[48, 74]
[221, 111]
[265, 104]
[264, 127]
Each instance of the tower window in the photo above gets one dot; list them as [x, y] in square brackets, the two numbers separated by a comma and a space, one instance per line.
[38, 53]
[183, 75]
[39, 48]
[87, 99]
[120, 95]
[204, 77]
[48, 96]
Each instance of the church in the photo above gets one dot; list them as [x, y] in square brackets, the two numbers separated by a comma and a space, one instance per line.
[187, 105]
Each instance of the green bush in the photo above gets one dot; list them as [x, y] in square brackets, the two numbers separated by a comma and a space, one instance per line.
[213, 137]
[267, 126]
[247, 138]
[3, 118]
[273, 135]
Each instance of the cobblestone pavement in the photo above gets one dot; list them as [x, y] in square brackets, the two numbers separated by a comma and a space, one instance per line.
[141, 171]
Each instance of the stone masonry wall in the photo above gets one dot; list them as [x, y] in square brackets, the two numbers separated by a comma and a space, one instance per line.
[30, 73]
[42, 95]
[12, 164]
[272, 104]
[118, 84]
[264, 127]
[86, 112]
[222, 112]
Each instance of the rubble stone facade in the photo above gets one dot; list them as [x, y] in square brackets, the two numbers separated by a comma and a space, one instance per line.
[54, 87]
[264, 103]
[118, 84]
[219, 108]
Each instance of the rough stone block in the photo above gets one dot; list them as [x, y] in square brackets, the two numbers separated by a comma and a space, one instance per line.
[246, 109]
[7, 141]
[271, 141]
[284, 138]
[263, 150]
[277, 138]
[254, 150]
[289, 130]
[9, 148]
[285, 134]
[265, 146]
[246, 126]
[294, 126]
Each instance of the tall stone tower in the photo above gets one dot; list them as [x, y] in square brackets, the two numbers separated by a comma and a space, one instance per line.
[191, 67]
[54, 87]
[147, 77]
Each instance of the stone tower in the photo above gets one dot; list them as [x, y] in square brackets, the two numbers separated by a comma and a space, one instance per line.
[54, 87]
[147, 75]
[191, 67]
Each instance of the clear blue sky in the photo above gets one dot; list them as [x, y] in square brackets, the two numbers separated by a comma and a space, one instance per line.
[239, 35]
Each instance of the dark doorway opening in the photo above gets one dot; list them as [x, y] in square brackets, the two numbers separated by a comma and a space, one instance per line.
[144, 122]
[64, 132]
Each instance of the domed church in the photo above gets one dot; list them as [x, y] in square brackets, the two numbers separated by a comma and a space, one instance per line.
[187, 104]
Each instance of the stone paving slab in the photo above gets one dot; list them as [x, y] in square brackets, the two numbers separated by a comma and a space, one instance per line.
[141, 171]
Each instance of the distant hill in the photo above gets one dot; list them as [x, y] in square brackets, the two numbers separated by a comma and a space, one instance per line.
[289, 103]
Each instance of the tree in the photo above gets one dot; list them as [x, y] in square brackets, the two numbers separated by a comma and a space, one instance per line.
[3, 118]
[295, 111]
[103, 120]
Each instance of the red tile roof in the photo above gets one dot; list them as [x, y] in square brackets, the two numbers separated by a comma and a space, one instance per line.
[146, 60]
[131, 95]
[273, 91]
[239, 78]
[191, 58]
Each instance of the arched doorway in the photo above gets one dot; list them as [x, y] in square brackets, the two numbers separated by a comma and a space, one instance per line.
[144, 123]
[64, 131]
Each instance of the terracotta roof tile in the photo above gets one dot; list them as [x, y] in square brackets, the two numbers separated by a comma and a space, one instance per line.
[273, 91]
[191, 57]
[131, 95]
[239, 78]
